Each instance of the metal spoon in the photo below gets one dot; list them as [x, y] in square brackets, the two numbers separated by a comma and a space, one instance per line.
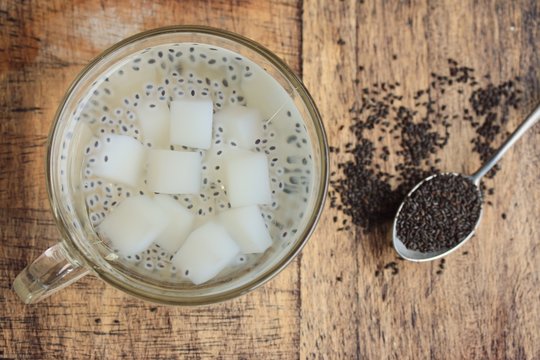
[413, 255]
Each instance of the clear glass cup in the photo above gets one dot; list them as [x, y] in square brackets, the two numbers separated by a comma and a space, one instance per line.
[79, 254]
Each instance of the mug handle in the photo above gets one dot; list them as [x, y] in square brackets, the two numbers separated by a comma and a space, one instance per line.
[51, 271]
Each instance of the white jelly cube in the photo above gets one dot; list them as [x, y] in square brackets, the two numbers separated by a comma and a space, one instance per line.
[247, 228]
[174, 172]
[191, 123]
[154, 121]
[206, 252]
[247, 179]
[133, 224]
[241, 124]
[121, 159]
[180, 222]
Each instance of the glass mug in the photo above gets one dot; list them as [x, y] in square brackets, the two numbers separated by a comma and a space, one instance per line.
[81, 252]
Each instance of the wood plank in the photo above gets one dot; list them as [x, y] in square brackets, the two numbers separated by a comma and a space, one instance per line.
[44, 45]
[482, 305]
[329, 266]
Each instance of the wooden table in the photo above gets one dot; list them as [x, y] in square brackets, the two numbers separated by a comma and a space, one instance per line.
[328, 303]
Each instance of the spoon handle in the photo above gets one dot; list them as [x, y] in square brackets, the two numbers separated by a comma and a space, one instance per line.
[526, 125]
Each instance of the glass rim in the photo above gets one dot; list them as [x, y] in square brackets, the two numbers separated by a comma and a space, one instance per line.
[266, 275]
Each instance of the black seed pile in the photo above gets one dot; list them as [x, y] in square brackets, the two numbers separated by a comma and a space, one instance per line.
[399, 139]
[439, 214]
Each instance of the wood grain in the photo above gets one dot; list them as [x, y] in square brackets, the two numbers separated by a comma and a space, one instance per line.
[328, 303]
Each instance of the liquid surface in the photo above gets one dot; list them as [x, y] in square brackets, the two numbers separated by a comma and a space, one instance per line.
[179, 71]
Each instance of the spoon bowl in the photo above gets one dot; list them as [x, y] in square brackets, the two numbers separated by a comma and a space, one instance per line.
[418, 256]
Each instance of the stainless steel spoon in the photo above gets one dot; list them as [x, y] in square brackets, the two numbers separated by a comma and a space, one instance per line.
[413, 255]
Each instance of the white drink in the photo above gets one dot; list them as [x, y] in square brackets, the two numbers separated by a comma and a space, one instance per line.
[210, 151]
